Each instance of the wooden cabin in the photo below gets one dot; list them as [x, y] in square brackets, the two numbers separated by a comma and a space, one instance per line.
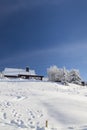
[21, 73]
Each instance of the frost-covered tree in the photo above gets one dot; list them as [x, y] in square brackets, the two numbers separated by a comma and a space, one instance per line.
[52, 73]
[57, 74]
[74, 76]
[63, 75]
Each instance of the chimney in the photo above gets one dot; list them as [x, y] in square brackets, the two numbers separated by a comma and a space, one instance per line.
[27, 69]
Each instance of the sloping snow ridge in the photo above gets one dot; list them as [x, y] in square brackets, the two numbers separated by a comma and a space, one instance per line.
[27, 105]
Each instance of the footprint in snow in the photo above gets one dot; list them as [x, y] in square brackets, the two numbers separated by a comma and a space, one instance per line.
[31, 125]
[18, 123]
[2, 109]
[29, 119]
[4, 115]
[15, 114]
[13, 110]
[70, 128]
[8, 104]
[33, 116]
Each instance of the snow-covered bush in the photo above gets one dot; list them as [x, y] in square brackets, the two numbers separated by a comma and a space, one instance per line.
[62, 75]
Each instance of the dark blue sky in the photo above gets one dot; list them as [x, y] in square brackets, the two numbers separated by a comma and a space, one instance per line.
[41, 33]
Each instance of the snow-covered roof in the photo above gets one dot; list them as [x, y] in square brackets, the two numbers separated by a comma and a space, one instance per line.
[15, 71]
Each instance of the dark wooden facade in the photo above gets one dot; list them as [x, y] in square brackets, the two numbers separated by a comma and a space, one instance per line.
[11, 76]
[38, 77]
[23, 76]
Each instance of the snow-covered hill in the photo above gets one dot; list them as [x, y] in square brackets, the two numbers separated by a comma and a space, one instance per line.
[28, 105]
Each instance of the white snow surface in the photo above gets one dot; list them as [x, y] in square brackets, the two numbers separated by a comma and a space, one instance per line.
[28, 105]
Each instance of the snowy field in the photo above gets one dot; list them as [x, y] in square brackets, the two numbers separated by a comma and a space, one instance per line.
[27, 106]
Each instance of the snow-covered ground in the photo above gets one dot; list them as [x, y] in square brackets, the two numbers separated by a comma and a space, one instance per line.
[28, 105]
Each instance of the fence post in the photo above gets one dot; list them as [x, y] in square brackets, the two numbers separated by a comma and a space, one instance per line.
[46, 123]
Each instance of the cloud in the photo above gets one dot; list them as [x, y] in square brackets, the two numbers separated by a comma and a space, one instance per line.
[75, 49]
[68, 50]
[74, 54]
